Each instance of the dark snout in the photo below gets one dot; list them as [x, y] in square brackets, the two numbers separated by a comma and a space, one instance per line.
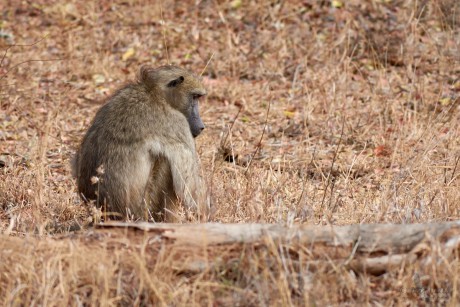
[199, 127]
[195, 122]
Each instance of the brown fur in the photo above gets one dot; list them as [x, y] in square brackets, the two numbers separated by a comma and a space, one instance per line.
[143, 138]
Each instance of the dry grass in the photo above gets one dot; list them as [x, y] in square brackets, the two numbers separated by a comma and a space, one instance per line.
[363, 126]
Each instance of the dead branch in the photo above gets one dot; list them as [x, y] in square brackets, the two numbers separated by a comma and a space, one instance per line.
[373, 248]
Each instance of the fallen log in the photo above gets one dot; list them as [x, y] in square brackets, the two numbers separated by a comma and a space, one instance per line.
[373, 248]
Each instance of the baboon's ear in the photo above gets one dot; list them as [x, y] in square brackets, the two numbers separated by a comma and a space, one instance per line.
[176, 82]
[146, 74]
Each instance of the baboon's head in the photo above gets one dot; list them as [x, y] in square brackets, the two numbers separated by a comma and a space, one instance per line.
[181, 89]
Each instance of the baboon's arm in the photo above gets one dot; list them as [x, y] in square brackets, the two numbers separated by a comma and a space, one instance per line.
[185, 170]
[186, 174]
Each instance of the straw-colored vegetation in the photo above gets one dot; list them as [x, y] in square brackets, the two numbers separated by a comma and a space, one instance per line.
[319, 112]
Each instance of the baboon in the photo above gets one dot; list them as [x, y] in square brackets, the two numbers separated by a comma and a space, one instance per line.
[138, 158]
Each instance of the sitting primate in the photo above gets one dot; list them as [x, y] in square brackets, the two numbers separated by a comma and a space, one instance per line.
[138, 158]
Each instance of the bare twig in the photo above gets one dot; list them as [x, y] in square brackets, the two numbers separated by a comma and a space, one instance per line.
[204, 69]
[222, 143]
[22, 45]
[259, 144]
[163, 25]
[328, 179]
[30, 61]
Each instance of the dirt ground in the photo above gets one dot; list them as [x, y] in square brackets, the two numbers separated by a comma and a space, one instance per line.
[318, 112]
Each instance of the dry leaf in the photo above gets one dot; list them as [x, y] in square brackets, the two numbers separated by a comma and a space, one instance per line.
[445, 101]
[128, 54]
[337, 4]
[382, 151]
[289, 114]
[236, 4]
[98, 79]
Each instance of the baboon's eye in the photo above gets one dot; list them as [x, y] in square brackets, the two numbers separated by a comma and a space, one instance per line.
[196, 96]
